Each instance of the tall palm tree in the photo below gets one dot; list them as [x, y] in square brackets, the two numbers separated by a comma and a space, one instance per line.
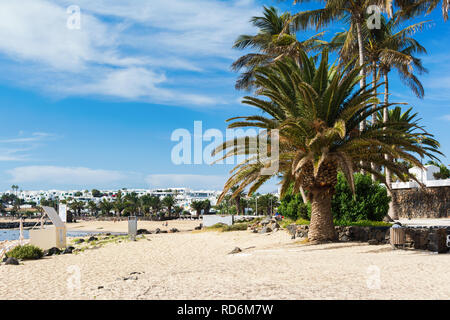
[354, 13]
[317, 112]
[411, 8]
[269, 43]
[423, 138]
[386, 48]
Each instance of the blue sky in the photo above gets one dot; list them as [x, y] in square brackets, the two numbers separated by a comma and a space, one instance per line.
[96, 107]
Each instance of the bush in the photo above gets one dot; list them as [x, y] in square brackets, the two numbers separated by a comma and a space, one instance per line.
[370, 202]
[235, 227]
[362, 223]
[292, 207]
[226, 228]
[26, 252]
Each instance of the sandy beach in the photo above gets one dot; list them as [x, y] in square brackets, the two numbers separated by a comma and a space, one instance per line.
[197, 265]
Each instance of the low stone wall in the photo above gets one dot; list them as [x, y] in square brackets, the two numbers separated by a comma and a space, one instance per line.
[432, 238]
[372, 235]
[422, 203]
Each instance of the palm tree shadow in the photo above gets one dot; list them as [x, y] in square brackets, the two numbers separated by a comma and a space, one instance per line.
[327, 246]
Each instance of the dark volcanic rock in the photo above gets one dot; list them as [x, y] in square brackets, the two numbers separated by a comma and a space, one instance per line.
[68, 250]
[143, 231]
[12, 261]
[52, 251]
[236, 250]
[92, 239]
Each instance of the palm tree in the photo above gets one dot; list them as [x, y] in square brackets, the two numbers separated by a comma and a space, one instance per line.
[237, 199]
[168, 202]
[411, 8]
[146, 201]
[93, 208]
[426, 141]
[106, 207]
[317, 111]
[206, 206]
[354, 13]
[155, 204]
[119, 203]
[15, 188]
[76, 206]
[270, 44]
[178, 211]
[197, 206]
[386, 49]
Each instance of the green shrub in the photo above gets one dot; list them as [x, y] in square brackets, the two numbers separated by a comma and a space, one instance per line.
[292, 207]
[26, 252]
[362, 223]
[370, 202]
[235, 227]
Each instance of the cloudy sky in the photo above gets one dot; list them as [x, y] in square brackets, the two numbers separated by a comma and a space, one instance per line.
[96, 106]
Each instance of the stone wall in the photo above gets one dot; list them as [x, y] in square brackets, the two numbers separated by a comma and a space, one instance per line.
[433, 238]
[422, 203]
[372, 235]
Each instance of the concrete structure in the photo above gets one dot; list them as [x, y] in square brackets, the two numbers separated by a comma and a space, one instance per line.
[210, 220]
[50, 237]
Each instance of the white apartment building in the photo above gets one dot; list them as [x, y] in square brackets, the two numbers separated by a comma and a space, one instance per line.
[184, 196]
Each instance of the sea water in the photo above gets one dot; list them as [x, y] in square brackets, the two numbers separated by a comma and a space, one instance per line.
[13, 234]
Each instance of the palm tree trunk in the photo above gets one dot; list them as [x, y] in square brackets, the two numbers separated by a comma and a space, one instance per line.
[362, 82]
[374, 115]
[392, 213]
[304, 198]
[321, 227]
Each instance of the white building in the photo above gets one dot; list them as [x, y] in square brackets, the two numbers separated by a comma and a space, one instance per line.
[425, 176]
[183, 196]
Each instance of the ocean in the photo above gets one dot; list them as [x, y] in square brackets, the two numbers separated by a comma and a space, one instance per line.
[13, 234]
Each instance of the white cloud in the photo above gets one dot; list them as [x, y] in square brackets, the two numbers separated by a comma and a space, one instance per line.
[124, 48]
[18, 148]
[186, 180]
[446, 117]
[64, 175]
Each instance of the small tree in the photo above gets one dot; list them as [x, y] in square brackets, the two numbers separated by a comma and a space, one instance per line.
[197, 206]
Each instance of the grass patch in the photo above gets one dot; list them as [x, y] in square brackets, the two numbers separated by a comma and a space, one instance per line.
[236, 227]
[363, 223]
[26, 252]
[221, 227]
[342, 223]
[80, 247]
